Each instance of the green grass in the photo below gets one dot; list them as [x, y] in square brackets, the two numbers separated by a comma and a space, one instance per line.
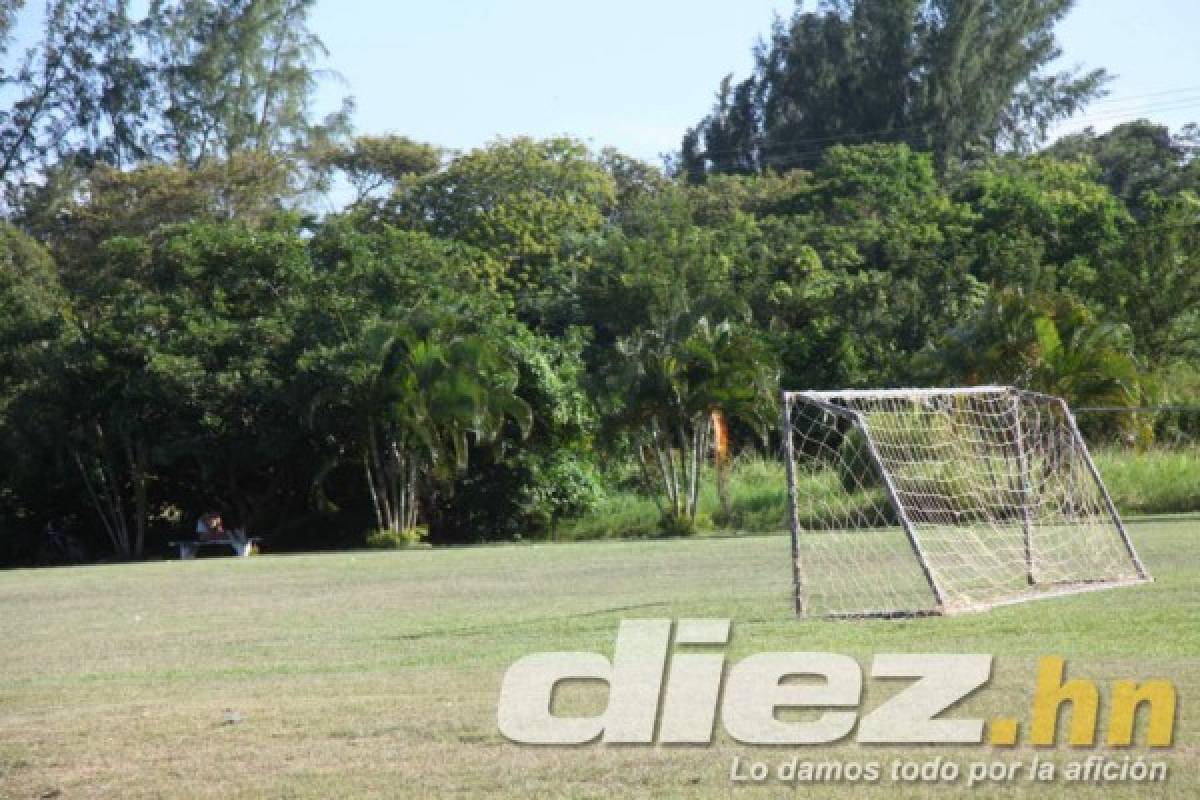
[1156, 481]
[376, 674]
[758, 499]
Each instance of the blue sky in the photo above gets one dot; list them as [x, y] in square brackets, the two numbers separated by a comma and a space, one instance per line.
[636, 73]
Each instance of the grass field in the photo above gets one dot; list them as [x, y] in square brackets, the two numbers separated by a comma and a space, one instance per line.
[376, 675]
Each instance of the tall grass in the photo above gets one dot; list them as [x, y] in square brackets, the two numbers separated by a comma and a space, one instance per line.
[1151, 482]
[758, 502]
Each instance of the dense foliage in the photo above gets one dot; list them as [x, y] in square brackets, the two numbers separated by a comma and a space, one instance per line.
[485, 345]
[957, 78]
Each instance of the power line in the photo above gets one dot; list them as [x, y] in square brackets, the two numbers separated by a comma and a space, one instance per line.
[1108, 99]
[1136, 111]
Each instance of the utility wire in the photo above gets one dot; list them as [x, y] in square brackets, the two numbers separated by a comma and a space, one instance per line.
[1108, 99]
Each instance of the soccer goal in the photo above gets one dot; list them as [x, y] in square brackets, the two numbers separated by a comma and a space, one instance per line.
[935, 501]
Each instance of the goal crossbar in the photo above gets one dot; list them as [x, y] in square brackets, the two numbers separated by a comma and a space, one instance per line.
[894, 393]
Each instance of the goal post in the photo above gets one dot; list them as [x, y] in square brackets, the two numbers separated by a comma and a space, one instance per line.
[936, 501]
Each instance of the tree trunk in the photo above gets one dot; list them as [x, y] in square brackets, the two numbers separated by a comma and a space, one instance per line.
[366, 459]
[700, 435]
[139, 466]
[377, 478]
[413, 507]
[662, 455]
[641, 455]
[105, 494]
[687, 463]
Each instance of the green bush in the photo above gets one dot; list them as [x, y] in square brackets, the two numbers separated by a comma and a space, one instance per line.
[672, 526]
[388, 539]
[621, 514]
[525, 488]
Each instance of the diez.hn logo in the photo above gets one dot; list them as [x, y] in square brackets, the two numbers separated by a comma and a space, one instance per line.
[658, 694]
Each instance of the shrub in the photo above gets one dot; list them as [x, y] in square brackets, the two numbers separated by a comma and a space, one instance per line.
[388, 539]
[672, 526]
[624, 514]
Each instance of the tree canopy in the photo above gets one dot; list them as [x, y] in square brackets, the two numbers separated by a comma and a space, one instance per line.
[957, 78]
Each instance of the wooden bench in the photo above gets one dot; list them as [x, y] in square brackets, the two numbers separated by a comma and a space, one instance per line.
[242, 546]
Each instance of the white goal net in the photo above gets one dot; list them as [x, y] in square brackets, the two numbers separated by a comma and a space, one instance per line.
[911, 501]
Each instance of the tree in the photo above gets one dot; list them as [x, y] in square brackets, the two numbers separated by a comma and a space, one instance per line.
[234, 77]
[381, 279]
[32, 304]
[729, 140]
[234, 303]
[1136, 158]
[75, 93]
[672, 254]
[533, 206]
[1155, 284]
[75, 212]
[168, 390]
[520, 487]
[1042, 224]
[867, 263]
[1047, 342]
[115, 104]
[666, 384]
[957, 78]
[374, 165]
[436, 392]
[194, 81]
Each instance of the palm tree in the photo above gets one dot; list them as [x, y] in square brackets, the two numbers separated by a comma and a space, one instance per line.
[1047, 342]
[669, 382]
[1081, 358]
[435, 393]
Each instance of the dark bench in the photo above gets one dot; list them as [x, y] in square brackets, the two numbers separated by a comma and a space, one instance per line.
[240, 544]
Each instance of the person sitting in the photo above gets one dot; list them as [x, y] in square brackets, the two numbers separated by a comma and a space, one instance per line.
[210, 526]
